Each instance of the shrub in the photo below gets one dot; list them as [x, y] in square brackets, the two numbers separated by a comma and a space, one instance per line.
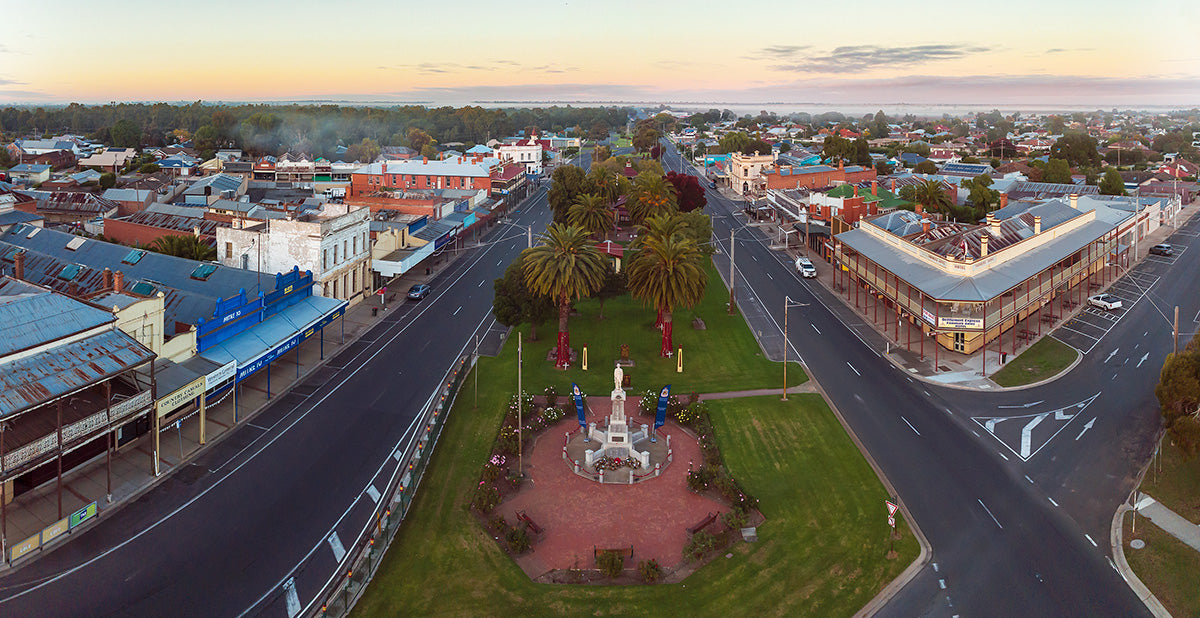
[486, 498]
[699, 479]
[648, 403]
[735, 519]
[553, 415]
[517, 539]
[551, 396]
[693, 398]
[699, 545]
[497, 524]
[649, 570]
[508, 441]
[611, 563]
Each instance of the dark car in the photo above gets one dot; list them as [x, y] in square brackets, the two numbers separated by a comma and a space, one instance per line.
[1162, 250]
[712, 184]
[419, 291]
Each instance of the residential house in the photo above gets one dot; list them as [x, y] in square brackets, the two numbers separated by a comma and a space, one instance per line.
[31, 173]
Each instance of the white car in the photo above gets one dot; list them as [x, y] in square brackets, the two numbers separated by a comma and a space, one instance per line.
[1105, 301]
[805, 267]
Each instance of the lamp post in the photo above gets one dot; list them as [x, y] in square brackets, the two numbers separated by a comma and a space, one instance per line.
[787, 303]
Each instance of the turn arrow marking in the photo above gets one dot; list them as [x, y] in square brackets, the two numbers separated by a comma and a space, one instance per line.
[1085, 428]
[1147, 355]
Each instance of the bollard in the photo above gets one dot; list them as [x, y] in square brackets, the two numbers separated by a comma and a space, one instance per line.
[631, 477]
[668, 442]
[601, 475]
[657, 469]
[564, 452]
[576, 466]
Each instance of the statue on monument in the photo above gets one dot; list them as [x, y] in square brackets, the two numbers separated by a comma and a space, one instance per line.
[618, 378]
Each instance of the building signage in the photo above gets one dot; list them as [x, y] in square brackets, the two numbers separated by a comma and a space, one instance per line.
[82, 515]
[267, 358]
[26, 546]
[960, 323]
[188, 392]
[221, 374]
[52, 531]
[928, 315]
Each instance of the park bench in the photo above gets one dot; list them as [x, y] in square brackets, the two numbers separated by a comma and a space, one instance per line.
[533, 527]
[704, 523]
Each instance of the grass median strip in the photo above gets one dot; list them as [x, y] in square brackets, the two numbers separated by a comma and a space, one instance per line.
[1044, 359]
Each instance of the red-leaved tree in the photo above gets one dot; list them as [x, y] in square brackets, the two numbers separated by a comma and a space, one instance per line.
[689, 192]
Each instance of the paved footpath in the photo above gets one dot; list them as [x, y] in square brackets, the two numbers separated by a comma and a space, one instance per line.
[1171, 522]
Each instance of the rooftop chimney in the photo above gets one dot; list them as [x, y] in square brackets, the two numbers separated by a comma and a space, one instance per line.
[919, 208]
[1075, 201]
[424, 160]
[924, 225]
[855, 190]
[841, 164]
[983, 246]
[1003, 200]
[118, 281]
[1037, 224]
[874, 187]
[106, 278]
[893, 185]
[19, 265]
[994, 224]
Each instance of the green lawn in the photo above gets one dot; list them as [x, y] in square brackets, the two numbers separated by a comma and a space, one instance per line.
[723, 357]
[1042, 360]
[1166, 566]
[821, 551]
[1177, 483]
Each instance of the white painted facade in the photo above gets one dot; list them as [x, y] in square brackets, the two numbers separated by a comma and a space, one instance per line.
[525, 152]
[334, 245]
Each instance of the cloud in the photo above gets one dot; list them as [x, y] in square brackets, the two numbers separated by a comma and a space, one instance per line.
[1061, 50]
[23, 95]
[862, 58]
[435, 68]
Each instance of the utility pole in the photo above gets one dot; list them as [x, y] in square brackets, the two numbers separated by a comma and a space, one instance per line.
[529, 235]
[1175, 332]
[731, 249]
[785, 345]
[520, 405]
[476, 372]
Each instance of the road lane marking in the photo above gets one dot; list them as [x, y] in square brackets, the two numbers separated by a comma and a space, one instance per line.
[1089, 538]
[293, 600]
[1027, 435]
[1001, 453]
[1051, 500]
[457, 310]
[1028, 479]
[374, 493]
[989, 512]
[815, 328]
[1111, 354]
[1146, 356]
[942, 584]
[335, 544]
[926, 393]
[910, 426]
[770, 277]
[1085, 428]
[481, 283]
[853, 369]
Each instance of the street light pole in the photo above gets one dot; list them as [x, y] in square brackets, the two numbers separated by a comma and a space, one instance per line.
[520, 405]
[732, 246]
[786, 301]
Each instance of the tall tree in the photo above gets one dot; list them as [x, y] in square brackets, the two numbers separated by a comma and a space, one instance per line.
[126, 134]
[651, 195]
[615, 284]
[513, 303]
[567, 183]
[593, 213]
[1057, 171]
[688, 190]
[605, 180]
[1111, 183]
[1178, 394]
[1077, 148]
[667, 273]
[190, 247]
[930, 194]
[563, 266]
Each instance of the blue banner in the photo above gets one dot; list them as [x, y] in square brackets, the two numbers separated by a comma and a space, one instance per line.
[661, 416]
[579, 405]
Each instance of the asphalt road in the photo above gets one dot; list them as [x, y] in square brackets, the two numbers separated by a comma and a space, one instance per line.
[222, 536]
[1009, 536]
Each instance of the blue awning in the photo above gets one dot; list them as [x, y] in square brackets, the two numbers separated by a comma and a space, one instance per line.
[256, 347]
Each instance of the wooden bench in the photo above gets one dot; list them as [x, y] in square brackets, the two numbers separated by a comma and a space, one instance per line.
[627, 552]
[1049, 317]
[704, 523]
[536, 529]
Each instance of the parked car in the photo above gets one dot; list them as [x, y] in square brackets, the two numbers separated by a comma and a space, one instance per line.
[418, 291]
[1107, 302]
[1163, 249]
[805, 267]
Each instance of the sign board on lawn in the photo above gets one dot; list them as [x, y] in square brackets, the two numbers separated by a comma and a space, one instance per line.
[891, 507]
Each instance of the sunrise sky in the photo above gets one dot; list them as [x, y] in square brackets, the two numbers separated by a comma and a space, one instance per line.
[457, 51]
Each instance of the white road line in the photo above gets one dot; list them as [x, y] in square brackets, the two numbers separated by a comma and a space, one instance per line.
[910, 426]
[1027, 435]
[1051, 500]
[457, 310]
[769, 276]
[754, 256]
[293, 600]
[374, 493]
[1001, 453]
[499, 262]
[853, 369]
[1028, 479]
[989, 512]
[926, 393]
[1089, 538]
[481, 283]
[335, 544]
[975, 432]
[815, 328]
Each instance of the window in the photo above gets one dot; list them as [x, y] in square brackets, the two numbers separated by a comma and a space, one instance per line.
[133, 257]
[353, 282]
[355, 246]
[335, 288]
[141, 288]
[335, 260]
[345, 250]
[228, 250]
[69, 272]
[204, 271]
[325, 259]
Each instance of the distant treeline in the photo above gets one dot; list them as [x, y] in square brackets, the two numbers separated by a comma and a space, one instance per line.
[314, 129]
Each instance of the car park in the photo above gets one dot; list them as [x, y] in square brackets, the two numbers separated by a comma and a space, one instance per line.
[1107, 302]
[805, 267]
[1163, 249]
[418, 291]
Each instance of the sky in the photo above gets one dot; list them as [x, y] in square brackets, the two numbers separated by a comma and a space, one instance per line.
[456, 52]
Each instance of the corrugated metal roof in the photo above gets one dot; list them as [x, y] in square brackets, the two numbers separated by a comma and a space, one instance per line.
[39, 378]
[33, 316]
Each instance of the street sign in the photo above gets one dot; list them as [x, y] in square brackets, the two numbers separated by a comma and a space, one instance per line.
[891, 507]
[382, 290]
[892, 522]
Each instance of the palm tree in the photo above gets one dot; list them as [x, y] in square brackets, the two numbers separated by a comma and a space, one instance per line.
[660, 227]
[565, 265]
[668, 273]
[592, 213]
[190, 247]
[930, 194]
[606, 181]
[651, 195]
